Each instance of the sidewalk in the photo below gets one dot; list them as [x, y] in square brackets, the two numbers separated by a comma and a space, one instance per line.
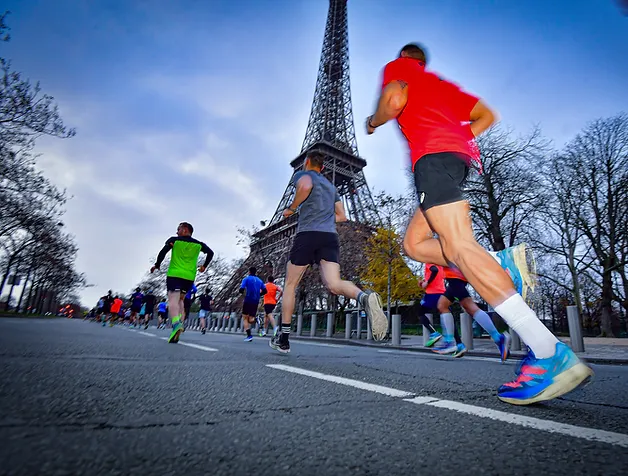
[598, 350]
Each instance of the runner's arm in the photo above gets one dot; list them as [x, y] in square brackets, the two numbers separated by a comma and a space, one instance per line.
[434, 271]
[164, 251]
[339, 211]
[304, 188]
[482, 117]
[209, 252]
[391, 102]
[263, 290]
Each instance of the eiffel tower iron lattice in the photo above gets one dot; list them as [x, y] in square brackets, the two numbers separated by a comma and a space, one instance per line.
[330, 130]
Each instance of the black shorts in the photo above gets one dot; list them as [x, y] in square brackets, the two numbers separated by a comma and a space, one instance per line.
[187, 304]
[456, 289]
[106, 309]
[136, 309]
[178, 284]
[249, 308]
[269, 308]
[163, 315]
[438, 178]
[310, 247]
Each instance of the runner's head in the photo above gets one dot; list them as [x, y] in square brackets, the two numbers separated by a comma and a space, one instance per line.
[252, 270]
[185, 229]
[271, 279]
[415, 51]
[206, 291]
[137, 290]
[314, 161]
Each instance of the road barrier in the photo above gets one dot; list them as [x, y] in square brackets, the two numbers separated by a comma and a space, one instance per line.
[575, 329]
[396, 329]
[466, 327]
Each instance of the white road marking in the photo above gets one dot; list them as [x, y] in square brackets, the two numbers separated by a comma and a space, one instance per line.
[590, 434]
[391, 392]
[199, 347]
[466, 357]
[321, 344]
[146, 334]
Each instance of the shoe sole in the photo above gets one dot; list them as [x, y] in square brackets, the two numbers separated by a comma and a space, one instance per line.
[277, 348]
[375, 314]
[444, 352]
[579, 375]
[431, 344]
[457, 355]
[174, 339]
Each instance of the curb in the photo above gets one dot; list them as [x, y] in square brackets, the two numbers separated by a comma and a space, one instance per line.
[472, 353]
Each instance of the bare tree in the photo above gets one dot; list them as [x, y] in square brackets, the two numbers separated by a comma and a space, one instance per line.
[597, 165]
[506, 197]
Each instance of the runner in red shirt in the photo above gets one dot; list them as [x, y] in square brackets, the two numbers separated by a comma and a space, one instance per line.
[440, 123]
[434, 285]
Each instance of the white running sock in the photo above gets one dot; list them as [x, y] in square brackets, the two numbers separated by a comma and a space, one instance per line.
[447, 323]
[485, 321]
[521, 319]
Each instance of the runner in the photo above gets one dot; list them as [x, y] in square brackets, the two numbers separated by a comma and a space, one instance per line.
[162, 313]
[253, 288]
[187, 304]
[206, 300]
[106, 308]
[434, 285]
[137, 298]
[270, 301]
[116, 308]
[456, 290]
[149, 308]
[316, 242]
[440, 123]
[181, 272]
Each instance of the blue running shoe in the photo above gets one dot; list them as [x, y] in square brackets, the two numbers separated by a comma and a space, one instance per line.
[445, 347]
[434, 338]
[461, 349]
[539, 380]
[514, 261]
[504, 346]
[248, 338]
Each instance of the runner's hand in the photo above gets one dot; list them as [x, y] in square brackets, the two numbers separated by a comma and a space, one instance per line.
[287, 212]
[369, 129]
[202, 268]
[152, 270]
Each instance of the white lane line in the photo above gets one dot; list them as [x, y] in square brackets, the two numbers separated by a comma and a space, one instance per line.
[590, 434]
[199, 347]
[319, 344]
[391, 392]
[146, 334]
[466, 357]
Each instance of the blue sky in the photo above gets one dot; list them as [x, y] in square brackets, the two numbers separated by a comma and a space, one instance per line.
[192, 110]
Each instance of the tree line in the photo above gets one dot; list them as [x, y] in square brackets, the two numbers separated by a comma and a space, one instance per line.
[35, 250]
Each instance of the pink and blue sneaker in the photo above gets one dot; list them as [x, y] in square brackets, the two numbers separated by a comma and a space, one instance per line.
[539, 380]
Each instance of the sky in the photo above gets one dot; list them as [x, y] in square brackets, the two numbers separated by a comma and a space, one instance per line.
[191, 110]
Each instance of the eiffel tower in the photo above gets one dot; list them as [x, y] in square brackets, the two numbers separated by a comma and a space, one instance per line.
[330, 130]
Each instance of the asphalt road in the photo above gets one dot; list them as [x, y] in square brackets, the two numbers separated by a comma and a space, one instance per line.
[77, 398]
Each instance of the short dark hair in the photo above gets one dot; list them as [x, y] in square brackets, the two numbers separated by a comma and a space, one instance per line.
[252, 270]
[416, 51]
[317, 159]
[188, 226]
[271, 279]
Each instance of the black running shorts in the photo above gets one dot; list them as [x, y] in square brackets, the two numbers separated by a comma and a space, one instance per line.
[439, 177]
[310, 247]
[178, 284]
[456, 289]
[269, 308]
[249, 308]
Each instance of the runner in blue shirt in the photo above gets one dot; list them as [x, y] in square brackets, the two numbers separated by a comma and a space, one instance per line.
[253, 288]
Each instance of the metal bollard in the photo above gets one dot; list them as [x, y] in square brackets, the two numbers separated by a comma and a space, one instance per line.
[300, 325]
[330, 324]
[515, 343]
[233, 322]
[348, 325]
[313, 326]
[466, 325]
[426, 331]
[575, 329]
[358, 331]
[369, 331]
[396, 329]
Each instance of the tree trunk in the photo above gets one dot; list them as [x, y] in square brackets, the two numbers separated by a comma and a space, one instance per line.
[607, 304]
[19, 303]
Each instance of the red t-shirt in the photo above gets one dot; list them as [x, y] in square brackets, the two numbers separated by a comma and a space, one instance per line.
[454, 273]
[437, 115]
[438, 285]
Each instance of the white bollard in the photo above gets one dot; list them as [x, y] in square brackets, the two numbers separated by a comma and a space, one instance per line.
[358, 331]
[466, 326]
[330, 324]
[575, 329]
[300, 325]
[396, 329]
[313, 326]
[348, 325]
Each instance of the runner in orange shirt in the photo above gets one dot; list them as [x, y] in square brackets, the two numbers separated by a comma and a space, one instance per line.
[456, 290]
[270, 301]
[115, 309]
